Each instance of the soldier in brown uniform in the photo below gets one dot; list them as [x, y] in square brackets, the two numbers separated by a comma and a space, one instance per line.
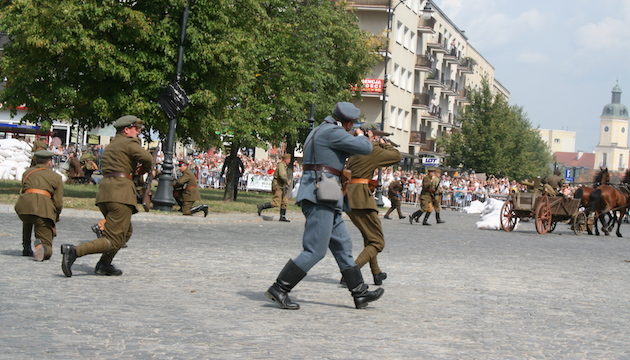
[430, 198]
[280, 187]
[394, 193]
[39, 206]
[116, 197]
[554, 183]
[75, 172]
[38, 144]
[364, 213]
[187, 183]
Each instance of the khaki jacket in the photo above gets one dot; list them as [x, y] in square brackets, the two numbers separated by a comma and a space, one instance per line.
[281, 176]
[121, 155]
[41, 205]
[363, 166]
[188, 182]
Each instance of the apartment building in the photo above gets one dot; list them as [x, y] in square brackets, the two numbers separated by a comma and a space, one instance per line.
[419, 89]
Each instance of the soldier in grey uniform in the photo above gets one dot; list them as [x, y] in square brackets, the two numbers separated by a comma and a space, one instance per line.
[325, 152]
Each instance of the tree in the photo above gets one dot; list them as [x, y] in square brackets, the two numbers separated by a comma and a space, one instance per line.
[497, 139]
[250, 66]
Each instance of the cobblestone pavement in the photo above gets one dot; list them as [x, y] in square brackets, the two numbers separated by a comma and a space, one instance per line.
[193, 289]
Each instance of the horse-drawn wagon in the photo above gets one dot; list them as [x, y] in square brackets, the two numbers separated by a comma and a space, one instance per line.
[545, 210]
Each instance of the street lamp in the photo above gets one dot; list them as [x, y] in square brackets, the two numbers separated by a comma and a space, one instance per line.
[172, 100]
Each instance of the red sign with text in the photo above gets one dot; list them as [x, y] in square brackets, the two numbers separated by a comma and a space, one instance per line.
[370, 85]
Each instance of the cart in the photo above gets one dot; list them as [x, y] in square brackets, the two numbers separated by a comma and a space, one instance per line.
[545, 210]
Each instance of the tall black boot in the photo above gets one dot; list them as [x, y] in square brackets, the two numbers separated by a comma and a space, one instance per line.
[362, 296]
[426, 219]
[283, 213]
[27, 232]
[290, 276]
[437, 218]
[415, 216]
[264, 206]
[199, 208]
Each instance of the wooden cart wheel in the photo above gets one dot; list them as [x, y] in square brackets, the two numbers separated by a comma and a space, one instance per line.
[508, 217]
[580, 223]
[543, 217]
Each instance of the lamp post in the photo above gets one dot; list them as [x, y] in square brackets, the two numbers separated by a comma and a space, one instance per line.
[172, 100]
[426, 14]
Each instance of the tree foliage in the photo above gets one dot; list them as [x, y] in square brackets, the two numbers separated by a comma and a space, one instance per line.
[250, 70]
[496, 138]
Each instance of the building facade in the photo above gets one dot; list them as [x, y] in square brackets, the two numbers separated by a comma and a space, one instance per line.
[420, 88]
[612, 150]
[559, 140]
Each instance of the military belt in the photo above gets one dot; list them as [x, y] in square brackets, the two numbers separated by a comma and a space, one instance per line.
[38, 191]
[359, 181]
[118, 174]
[317, 167]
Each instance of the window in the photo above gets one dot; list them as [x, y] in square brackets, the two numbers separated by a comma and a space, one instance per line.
[409, 81]
[556, 141]
[399, 32]
[621, 167]
[400, 119]
[406, 38]
[623, 130]
[605, 128]
[392, 116]
[604, 160]
[396, 76]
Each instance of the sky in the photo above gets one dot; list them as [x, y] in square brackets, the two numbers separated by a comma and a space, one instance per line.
[559, 58]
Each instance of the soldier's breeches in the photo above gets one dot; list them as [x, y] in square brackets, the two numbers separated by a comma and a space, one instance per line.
[186, 206]
[426, 202]
[324, 229]
[368, 223]
[43, 231]
[279, 198]
[117, 231]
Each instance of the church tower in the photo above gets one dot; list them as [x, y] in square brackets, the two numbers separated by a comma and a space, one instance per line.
[612, 151]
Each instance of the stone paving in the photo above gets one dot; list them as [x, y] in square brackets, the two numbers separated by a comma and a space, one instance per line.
[193, 289]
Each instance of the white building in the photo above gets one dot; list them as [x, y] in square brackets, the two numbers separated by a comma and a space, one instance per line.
[612, 151]
[559, 140]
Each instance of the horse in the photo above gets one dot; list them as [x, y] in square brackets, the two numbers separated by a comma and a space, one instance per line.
[584, 193]
[608, 199]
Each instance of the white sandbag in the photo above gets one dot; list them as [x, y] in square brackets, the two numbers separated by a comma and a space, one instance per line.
[3, 170]
[6, 152]
[491, 215]
[386, 202]
[21, 157]
[475, 207]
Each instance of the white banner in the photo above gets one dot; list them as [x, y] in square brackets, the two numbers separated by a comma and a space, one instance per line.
[259, 182]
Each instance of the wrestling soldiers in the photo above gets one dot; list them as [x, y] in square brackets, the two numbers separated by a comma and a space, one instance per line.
[325, 152]
[430, 198]
[187, 186]
[280, 187]
[364, 213]
[116, 197]
[39, 206]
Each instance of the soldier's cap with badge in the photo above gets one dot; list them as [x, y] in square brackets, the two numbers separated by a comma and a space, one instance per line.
[43, 154]
[432, 169]
[346, 112]
[128, 120]
[286, 156]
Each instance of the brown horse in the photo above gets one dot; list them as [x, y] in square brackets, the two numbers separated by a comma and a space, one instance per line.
[584, 193]
[609, 199]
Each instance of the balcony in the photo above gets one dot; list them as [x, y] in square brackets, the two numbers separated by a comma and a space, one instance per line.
[452, 57]
[433, 78]
[462, 96]
[433, 113]
[421, 100]
[426, 26]
[450, 87]
[424, 63]
[439, 46]
[370, 4]
[466, 65]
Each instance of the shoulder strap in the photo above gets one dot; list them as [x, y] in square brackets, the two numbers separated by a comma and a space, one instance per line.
[313, 143]
[28, 175]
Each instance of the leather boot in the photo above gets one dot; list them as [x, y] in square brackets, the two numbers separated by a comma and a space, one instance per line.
[283, 213]
[415, 216]
[27, 231]
[426, 219]
[378, 278]
[437, 218]
[69, 256]
[199, 208]
[39, 250]
[290, 276]
[359, 290]
[107, 269]
[262, 207]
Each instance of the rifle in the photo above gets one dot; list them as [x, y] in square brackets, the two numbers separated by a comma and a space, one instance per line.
[381, 134]
[147, 193]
